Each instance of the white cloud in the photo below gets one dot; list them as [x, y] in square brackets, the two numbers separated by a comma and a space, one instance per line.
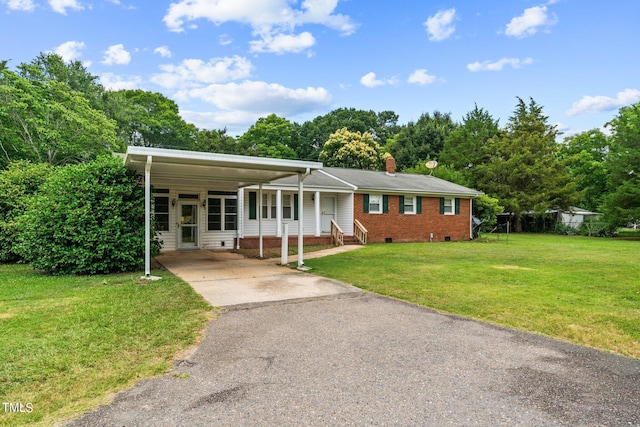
[597, 104]
[499, 65]
[440, 26]
[421, 77]
[195, 72]
[236, 122]
[528, 23]
[21, 5]
[113, 82]
[163, 51]
[117, 55]
[70, 51]
[283, 43]
[262, 98]
[371, 80]
[61, 6]
[225, 39]
[271, 20]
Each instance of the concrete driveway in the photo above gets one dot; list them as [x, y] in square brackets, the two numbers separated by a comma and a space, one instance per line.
[374, 361]
[228, 279]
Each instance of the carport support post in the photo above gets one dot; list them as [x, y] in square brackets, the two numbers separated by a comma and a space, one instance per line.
[147, 218]
[301, 177]
[260, 219]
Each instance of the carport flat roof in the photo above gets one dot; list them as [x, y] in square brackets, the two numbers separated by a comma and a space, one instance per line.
[229, 171]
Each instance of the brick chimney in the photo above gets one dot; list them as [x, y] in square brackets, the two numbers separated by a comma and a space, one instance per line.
[391, 166]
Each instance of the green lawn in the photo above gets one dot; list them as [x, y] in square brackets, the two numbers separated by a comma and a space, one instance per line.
[578, 289]
[68, 342]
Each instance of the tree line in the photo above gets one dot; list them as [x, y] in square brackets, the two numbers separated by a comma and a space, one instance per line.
[56, 112]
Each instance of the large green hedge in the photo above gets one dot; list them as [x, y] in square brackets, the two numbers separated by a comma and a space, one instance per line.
[18, 182]
[86, 219]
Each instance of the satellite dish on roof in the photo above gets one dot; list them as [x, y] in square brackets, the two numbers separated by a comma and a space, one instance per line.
[431, 165]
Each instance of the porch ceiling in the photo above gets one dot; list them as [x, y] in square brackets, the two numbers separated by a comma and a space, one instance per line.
[228, 172]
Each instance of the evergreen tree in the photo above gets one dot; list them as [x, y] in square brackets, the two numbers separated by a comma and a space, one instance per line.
[523, 170]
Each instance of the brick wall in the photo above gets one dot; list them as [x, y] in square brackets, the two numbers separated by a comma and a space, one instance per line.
[275, 242]
[417, 227]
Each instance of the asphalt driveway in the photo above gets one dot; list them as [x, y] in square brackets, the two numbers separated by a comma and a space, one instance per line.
[369, 360]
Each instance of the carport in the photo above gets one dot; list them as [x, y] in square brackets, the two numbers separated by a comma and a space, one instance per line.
[227, 172]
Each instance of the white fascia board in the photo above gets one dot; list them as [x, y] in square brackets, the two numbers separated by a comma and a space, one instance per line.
[354, 187]
[229, 160]
[307, 188]
[419, 193]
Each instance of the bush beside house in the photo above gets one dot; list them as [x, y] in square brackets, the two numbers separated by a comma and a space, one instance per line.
[85, 219]
[18, 183]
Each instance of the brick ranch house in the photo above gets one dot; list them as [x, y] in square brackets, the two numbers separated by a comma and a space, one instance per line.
[217, 201]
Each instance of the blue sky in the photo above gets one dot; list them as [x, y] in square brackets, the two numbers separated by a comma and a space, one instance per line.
[228, 62]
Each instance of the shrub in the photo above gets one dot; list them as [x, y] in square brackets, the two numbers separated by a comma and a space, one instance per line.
[87, 219]
[18, 182]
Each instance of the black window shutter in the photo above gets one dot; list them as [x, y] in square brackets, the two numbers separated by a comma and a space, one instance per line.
[252, 205]
[457, 206]
[365, 208]
[385, 204]
[295, 206]
[419, 204]
[441, 205]
[401, 204]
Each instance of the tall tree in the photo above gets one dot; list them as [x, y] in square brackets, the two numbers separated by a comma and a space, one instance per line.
[47, 122]
[585, 156]
[148, 119]
[348, 149]
[466, 146]
[50, 66]
[623, 203]
[270, 136]
[523, 170]
[313, 134]
[422, 140]
[216, 141]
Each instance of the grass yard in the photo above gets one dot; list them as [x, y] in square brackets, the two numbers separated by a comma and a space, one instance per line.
[578, 289]
[68, 342]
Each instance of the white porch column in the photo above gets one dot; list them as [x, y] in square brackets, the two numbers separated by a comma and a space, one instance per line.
[318, 218]
[300, 221]
[147, 217]
[278, 213]
[260, 219]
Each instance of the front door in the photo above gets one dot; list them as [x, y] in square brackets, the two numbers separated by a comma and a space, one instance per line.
[188, 229]
[328, 208]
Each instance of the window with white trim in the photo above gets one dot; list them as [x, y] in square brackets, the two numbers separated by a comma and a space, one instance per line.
[222, 213]
[269, 205]
[449, 206]
[161, 209]
[286, 206]
[409, 205]
[375, 203]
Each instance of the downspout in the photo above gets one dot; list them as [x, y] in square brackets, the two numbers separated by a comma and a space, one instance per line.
[301, 178]
[471, 218]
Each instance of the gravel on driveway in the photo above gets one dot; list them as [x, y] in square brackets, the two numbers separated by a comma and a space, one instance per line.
[369, 361]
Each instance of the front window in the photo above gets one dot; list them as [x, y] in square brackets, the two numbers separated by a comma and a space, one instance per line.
[222, 214]
[161, 212]
[409, 205]
[286, 206]
[375, 203]
[269, 206]
[449, 206]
